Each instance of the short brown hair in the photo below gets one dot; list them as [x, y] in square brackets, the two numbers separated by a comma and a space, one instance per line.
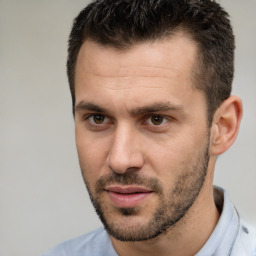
[123, 23]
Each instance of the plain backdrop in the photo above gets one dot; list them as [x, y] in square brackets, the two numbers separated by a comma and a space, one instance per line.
[42, 196]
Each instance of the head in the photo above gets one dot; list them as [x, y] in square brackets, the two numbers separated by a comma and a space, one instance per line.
[147, 79]
[122, 24]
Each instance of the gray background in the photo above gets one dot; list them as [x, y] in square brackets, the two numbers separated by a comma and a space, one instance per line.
[42, 196]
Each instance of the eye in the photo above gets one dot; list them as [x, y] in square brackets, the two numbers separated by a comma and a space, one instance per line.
[97, 119]
[156, 120]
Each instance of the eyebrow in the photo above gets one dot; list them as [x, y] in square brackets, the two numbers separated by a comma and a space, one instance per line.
[152, 108]
[89, 106]
[156, 107]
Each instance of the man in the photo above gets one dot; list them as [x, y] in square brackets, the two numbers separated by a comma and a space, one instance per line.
[150, 84]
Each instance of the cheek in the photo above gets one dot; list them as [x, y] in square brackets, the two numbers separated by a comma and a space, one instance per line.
[92, 155]
[86, 154]
[170, 160]
[169, 154]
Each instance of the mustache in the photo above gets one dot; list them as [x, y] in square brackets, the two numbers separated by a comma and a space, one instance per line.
[128, 179]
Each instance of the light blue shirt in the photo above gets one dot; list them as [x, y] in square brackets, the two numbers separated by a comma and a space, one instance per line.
[231, 237]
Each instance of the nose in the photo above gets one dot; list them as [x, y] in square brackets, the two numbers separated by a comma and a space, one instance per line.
[126, 151]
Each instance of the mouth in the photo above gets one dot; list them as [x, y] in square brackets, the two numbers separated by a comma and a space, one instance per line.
[127, 196]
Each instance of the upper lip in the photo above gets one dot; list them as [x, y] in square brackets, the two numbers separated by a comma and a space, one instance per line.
[127, 189]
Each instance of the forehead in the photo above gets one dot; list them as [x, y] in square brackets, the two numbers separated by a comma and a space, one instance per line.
[166, 57]
[159, 71]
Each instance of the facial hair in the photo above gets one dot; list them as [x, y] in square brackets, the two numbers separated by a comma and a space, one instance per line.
[172, 206]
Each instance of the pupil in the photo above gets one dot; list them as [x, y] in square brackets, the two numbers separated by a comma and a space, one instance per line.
[157, 120]
[98, 119]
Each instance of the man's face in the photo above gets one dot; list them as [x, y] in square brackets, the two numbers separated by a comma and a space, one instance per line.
[141, 134]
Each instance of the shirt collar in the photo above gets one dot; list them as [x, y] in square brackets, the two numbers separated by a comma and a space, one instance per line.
[225, 232]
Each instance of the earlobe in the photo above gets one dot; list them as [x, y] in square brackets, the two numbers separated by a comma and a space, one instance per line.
[225, 125]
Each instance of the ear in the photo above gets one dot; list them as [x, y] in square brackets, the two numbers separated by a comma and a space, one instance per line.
[225, 125]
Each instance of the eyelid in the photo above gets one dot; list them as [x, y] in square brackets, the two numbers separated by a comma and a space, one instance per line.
[165, 118]
[90, 115]
[87, 115]
[109, 120]
[156, 115]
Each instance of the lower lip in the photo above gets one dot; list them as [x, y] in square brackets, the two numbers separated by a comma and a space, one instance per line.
[127, 200]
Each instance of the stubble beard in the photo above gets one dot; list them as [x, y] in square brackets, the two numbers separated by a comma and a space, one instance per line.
[171, 208]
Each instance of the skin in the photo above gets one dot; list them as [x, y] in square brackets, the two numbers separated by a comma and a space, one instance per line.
[120, 94]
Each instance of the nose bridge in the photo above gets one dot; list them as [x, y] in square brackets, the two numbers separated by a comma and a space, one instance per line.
[125, 152]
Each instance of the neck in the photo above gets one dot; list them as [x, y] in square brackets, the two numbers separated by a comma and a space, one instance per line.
[186, 237]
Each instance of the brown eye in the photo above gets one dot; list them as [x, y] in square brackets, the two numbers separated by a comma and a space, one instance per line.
[97, 119]
[157, 120]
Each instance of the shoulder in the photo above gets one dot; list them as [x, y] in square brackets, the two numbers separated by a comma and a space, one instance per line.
[93, 243]
[246, 240]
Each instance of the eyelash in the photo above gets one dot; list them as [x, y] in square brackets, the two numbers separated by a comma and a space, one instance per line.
[88, 118]
[164, 119]
[107, 120]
